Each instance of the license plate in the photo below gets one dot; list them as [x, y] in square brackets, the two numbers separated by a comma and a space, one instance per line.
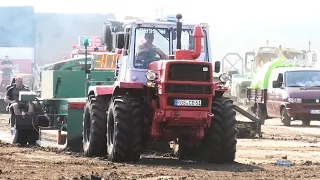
[186, 102]
[314, 111]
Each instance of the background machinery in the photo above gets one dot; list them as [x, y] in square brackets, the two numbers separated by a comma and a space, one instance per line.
[285, 89]
[60, 103]
[62, 96]
[242, 71]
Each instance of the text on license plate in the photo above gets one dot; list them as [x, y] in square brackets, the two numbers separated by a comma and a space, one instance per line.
[314, 111]
[186, 102]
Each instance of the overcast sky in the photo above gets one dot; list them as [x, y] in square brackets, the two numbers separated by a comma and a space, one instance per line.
[236, 25]
[236, 11]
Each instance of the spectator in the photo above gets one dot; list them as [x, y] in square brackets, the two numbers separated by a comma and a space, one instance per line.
[6, 66]
[12, 97]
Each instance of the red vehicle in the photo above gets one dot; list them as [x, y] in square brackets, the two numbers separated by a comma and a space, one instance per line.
[95, 45]
[156, 99]
[78, 51]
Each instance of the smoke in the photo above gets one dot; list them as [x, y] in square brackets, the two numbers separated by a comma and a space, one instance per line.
[16, 27]
[53, 33]
[60, 31]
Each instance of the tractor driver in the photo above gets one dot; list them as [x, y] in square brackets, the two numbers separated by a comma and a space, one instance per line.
[148, 46]
[12, 97]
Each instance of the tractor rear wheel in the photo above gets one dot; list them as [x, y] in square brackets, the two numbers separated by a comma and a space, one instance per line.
[94, 127]
[219, 143]
[125, 129]
[22, 136]
[33, 136]
[18, 136]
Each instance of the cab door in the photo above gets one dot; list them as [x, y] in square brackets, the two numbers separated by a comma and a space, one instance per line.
[278, 99]
[271, 96]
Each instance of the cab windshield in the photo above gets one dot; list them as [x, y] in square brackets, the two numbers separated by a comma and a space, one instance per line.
[303, 79]
[152, 44]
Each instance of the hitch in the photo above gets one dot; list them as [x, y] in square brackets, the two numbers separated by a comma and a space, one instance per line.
[255, 124]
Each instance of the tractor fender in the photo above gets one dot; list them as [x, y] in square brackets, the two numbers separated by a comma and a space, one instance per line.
[100, 90]
[112, 89]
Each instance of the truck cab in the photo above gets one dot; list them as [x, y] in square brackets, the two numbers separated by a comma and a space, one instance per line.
[294, 94]
[286, 91]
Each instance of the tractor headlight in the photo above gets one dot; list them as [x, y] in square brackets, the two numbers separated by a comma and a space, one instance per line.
[151, 75]
[224, 77]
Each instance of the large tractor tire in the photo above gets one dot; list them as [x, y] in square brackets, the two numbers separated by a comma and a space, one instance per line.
[219, 143]
[33, 136]
[22, 136]
[125, 129]
[19, 136]
[95, 127]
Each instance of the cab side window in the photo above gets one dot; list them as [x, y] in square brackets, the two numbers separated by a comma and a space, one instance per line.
[276, 80]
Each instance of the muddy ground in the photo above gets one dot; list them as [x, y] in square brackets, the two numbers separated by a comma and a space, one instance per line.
[255, 160]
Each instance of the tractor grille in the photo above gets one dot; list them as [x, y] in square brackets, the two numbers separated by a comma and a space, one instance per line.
[188, 89]
[189, 72]
[204, 101]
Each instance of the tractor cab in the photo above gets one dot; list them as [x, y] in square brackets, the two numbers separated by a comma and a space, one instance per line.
[144, 41]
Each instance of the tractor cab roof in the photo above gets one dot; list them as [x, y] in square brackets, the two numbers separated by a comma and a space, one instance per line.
[167, 21]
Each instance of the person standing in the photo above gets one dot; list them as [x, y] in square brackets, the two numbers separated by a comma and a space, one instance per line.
[7, 65]
[7, 70]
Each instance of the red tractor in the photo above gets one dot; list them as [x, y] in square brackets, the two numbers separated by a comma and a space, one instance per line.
[156, 99]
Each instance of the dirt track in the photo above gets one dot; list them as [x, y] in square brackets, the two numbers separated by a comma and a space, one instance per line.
[255, 160]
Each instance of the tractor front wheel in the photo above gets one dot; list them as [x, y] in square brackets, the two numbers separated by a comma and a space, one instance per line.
[125, 129]
[219, 143]
[94, 127]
